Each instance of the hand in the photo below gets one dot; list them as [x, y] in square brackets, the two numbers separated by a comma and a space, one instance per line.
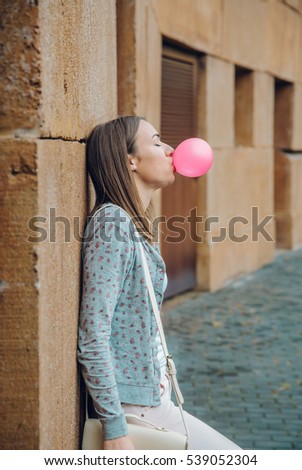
[120, 443]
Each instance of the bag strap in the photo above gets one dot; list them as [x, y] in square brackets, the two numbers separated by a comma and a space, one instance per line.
[133, 416]
[171, 369]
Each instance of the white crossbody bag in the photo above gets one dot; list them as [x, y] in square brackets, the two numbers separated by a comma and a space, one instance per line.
[145, 436]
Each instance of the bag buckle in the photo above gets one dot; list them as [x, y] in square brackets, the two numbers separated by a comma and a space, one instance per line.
[171, 366]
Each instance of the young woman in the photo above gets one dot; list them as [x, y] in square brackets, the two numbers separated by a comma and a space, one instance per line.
[119, 348]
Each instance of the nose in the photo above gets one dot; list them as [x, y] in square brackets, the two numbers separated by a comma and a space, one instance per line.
[169, 150]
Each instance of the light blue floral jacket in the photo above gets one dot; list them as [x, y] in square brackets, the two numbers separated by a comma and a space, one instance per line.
[117, 350]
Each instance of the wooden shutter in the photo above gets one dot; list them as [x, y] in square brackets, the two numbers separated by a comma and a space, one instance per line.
[178, 122]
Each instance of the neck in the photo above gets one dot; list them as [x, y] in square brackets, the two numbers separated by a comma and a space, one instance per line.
[145, 194]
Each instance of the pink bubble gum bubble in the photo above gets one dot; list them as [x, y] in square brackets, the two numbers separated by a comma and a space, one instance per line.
[192, 157]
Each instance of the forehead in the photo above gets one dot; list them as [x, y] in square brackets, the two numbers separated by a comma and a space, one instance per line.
[145, 130]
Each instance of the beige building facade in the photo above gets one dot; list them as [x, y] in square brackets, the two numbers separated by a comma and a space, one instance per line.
[70, 65]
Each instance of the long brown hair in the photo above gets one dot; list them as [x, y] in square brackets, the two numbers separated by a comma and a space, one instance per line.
[107, 149]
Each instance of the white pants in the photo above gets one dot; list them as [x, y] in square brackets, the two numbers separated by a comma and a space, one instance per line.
[201, 436]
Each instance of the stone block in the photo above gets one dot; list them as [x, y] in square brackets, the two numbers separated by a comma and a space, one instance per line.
[229, 260]
[295, 4]
[245, 179]
[288, 196]
[244, 32]
[284, 231]
[19, 371]
[217, 101]
[234, 243]
[59, 67]
[279, 61]
[283, 120]
[254, 108]
[263, 115]
[296, 143]
[296, 183]
[297, 230]
[19, 392]
[78, 58]
[198, 24]
[40, 292]
[139, 49]
[300, 59]
[20, 83]
[62, 189]
[244, 107]
[283, 195]
[262, 250]
[203, 266]
[126, 56]
[234, 187]
[224, 265]
[149, 77]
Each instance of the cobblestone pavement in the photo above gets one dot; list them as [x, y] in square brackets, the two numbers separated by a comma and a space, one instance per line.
[238, 352]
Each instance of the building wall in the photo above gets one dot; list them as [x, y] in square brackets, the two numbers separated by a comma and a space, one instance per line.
[59, 81]
[237, 115]
[69, 65]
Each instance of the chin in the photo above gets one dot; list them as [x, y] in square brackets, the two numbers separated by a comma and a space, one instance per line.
[169, 181]
[173, 179]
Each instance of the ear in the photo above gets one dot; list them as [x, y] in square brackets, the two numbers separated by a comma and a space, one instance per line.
[132, 162]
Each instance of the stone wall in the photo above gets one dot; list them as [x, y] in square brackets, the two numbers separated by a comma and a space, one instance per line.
[59, 80]
[69, 65]
[249, 105]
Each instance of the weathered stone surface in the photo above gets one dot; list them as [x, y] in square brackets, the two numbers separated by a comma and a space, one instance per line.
[296, 4]
[244, 177]
[244, 107]
[279, 61]
[297, 118]
[251, 36]
[263, 115]
[61, 165]
[78, 54]
[283, 114]
[245, 197]
[300, 59]
[126, 56]
[217, 102]
[198, 24]
[254, 108]
[288, 196]
[53, 82]
[20, 84]
[19, 370]
[244, 32]
[139, 46]
[149, 53]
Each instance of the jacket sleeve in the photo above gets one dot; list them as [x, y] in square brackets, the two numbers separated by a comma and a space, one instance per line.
[107, 258]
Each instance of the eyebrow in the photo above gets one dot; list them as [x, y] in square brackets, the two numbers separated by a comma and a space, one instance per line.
[155, 135]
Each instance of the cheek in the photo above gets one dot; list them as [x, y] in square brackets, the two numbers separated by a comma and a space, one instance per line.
[149, 170]
[160, 169]
[154, 165]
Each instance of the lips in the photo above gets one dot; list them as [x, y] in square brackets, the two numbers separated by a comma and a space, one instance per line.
[174, 169]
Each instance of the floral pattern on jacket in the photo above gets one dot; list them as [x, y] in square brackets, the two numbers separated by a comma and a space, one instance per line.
[117, 329]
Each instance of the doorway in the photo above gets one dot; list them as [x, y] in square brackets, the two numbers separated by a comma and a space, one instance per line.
[178, 122]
